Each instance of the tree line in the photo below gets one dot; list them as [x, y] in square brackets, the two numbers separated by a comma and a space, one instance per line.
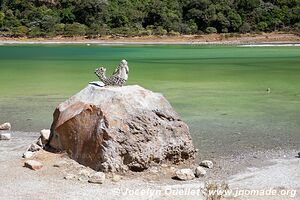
[93, 18]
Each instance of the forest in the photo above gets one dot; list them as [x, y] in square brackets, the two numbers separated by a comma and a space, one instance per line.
[96, 18]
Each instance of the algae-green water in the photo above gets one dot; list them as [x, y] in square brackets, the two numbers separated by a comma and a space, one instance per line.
[220, 91]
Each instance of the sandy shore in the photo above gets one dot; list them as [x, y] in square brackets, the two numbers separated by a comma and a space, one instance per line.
[269, 170]
[213, 39]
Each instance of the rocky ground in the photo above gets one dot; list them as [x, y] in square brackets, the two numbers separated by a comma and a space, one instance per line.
[62, 178]
[275, 37]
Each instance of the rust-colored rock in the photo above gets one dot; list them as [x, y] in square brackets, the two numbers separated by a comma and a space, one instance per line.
[120, 128]
[33, 164]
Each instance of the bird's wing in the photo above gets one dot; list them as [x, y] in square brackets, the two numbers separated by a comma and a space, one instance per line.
[116, 70]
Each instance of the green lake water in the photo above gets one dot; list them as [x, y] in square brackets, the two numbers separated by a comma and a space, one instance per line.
[220, 91]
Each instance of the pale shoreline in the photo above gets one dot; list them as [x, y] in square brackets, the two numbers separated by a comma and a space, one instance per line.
[262, 44]
[264, 39]
[260, 171]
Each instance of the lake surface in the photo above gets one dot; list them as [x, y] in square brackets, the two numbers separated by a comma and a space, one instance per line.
[220, 91]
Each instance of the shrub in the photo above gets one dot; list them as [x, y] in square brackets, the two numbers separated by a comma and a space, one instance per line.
[173, 33]
[75, 29]
[297, 25]
[189, 27]
[160, 31]
[150, 30]
[20, 31]
[145, 32]
[210, 30]
[262, 26]
[47, 23]
[59, 28]
[224, 30]
[124, 31]
[35, 32]
[96, 30]
[235, 20]
[185, 29]
[245, 28]
[192, 26]
[2, 16]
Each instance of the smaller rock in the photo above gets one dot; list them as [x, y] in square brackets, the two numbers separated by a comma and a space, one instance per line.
[207, 163]
[33, 164]
[69, 176]
[185, 174]
[116, 178]
[28, 154]
[98, 177]
[6, 126]
[299, 154]
[5, 136]
[45, 135]
[34, 147]
[200, 171]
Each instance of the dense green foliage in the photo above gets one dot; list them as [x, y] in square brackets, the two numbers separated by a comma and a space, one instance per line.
[40, 18]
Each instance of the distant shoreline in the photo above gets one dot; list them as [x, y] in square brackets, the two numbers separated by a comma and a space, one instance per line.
[263, 44]
[264, 39]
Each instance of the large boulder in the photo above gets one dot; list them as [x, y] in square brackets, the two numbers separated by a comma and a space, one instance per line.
[120, 128]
